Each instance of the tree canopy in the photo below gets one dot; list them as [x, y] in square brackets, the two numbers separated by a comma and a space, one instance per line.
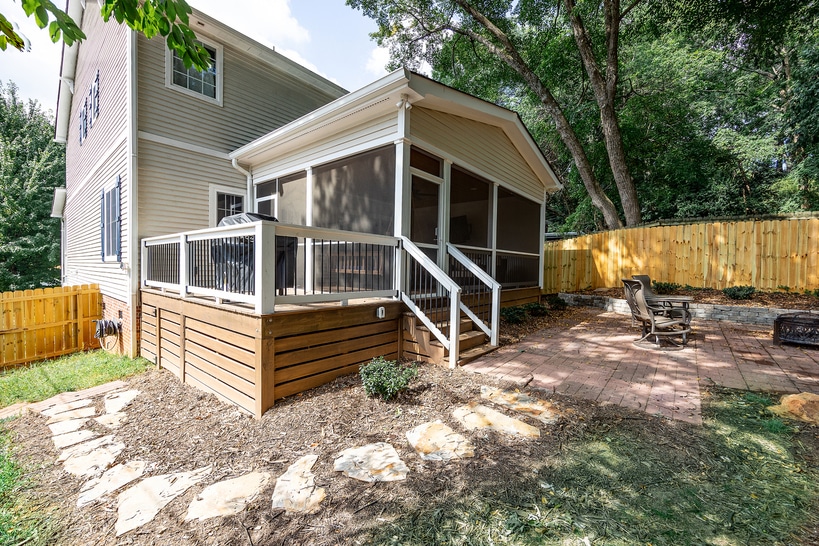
[166, 18]
[31, 166]
[714, 103]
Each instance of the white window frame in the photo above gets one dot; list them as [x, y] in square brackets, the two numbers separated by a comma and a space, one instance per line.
[214, 190]
[106, 242]
[219, 63]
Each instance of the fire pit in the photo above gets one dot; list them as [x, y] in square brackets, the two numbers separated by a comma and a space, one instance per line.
[801, 328]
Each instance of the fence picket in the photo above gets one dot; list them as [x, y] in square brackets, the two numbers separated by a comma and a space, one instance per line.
[46, 322]
[763, 253]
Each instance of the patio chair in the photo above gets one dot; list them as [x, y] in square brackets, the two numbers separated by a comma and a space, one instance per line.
[647, 290]
[669, 324]
[657, 300]
[635, 312]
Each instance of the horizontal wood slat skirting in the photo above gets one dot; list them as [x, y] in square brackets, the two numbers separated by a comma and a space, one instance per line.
[252, 360]
[47, 322]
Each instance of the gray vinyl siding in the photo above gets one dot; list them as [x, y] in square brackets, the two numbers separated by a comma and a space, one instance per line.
[173, 187]
[373, 133]
[82, 222]
[95, 164]
[480, 145]
[256, 100]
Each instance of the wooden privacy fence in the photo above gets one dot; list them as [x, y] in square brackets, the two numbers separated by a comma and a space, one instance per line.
[766, 254]
[47, 322]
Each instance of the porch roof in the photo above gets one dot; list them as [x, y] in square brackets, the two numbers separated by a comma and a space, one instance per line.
[385, 95]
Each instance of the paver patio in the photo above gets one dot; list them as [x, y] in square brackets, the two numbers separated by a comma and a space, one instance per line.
[596, 360]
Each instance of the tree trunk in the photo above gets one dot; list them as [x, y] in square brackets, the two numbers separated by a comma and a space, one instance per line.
[508, 53]
[605, 91]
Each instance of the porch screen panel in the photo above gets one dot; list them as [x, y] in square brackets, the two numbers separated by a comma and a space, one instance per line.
[518, 240]
[356, 193]
[292, 195]
[470, 210]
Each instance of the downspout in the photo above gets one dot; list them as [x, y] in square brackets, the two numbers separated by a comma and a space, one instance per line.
[249, 176]
[133, 268]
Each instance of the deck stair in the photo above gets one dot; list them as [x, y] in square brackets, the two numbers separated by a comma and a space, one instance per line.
[421, 345]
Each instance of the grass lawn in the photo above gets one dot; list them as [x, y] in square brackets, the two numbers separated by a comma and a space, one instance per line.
[42, 380]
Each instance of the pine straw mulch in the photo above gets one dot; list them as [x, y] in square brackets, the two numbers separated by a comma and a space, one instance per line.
[779, 300]
[176, 427]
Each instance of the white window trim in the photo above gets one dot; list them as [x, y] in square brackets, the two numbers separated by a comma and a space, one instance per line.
[219, 77]
[213, 190]
[107, 188]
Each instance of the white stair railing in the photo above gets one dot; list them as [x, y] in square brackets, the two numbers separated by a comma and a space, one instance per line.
[425, 286]
[477, 286]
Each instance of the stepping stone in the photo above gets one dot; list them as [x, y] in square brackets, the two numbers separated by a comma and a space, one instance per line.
[114, 478]
[68, 406]
[139, 504]
[296, 489]
[67, 426]
[117, 401]
[86, 447]
[476, 416]
[69, 439]
[377, 462]
[72, 414]
[227, 497]
[92, 457]
[803, 406]
[522, 403]
[112, 420]
[437, 442]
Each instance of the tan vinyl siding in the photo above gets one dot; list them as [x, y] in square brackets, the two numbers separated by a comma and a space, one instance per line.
[373, 133]
[94, 165]
[83, 261]
[173, 187]
[481, 146]
[256, 100]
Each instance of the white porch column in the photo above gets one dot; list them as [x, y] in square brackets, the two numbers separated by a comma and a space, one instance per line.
[308, 243]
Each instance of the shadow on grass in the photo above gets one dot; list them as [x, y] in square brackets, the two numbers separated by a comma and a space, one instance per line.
[737, 480]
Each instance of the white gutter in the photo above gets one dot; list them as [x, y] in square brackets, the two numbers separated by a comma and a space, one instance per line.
[249, 176]
[68, 69]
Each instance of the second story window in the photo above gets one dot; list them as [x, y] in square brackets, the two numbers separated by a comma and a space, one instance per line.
[206, 84]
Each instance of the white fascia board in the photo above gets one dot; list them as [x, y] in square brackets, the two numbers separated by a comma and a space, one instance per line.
[438, 96]
[337, 109]
[202, 22]
[68, 69]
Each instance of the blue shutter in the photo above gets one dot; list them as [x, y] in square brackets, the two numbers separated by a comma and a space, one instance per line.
[102, 225]
[118, 221]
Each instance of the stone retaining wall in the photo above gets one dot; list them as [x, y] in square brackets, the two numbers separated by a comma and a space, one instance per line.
[762, 316]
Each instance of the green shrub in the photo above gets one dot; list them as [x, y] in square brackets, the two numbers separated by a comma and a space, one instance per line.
[814, 293]
[739, 292]
[784, 287]
[665, 287]
[513, 315]
[536, 309]
[555, 303]
[386, 378]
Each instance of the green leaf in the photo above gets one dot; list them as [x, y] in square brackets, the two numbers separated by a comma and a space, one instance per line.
[41, 16]
[54, 31]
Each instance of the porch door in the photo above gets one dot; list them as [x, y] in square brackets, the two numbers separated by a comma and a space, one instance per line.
[425, 214]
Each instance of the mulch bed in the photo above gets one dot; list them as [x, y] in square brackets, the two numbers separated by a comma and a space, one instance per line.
[176, 428]
[783, 300]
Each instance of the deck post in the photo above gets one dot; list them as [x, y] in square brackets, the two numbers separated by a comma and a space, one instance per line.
[454, 328]
[265, 267]
[183, 265]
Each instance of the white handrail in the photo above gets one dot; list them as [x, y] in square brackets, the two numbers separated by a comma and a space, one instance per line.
[492, 331]
[451, 344]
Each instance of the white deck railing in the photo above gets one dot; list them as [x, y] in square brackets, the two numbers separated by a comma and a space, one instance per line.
[269, 263]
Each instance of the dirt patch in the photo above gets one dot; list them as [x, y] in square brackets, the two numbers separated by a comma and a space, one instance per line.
[782, 300]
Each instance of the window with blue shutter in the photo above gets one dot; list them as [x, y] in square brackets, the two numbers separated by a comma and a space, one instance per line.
[111, 224]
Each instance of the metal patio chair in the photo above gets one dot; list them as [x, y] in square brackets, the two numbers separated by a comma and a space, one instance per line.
[657, 323]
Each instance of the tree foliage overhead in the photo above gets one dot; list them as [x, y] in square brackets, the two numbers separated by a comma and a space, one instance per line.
[166, 18]
[712, 100]
[31, 166]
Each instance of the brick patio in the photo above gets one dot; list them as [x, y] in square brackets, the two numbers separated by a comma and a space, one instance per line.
[595, 359]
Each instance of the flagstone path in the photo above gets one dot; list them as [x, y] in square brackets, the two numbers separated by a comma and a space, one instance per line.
[140, 496]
